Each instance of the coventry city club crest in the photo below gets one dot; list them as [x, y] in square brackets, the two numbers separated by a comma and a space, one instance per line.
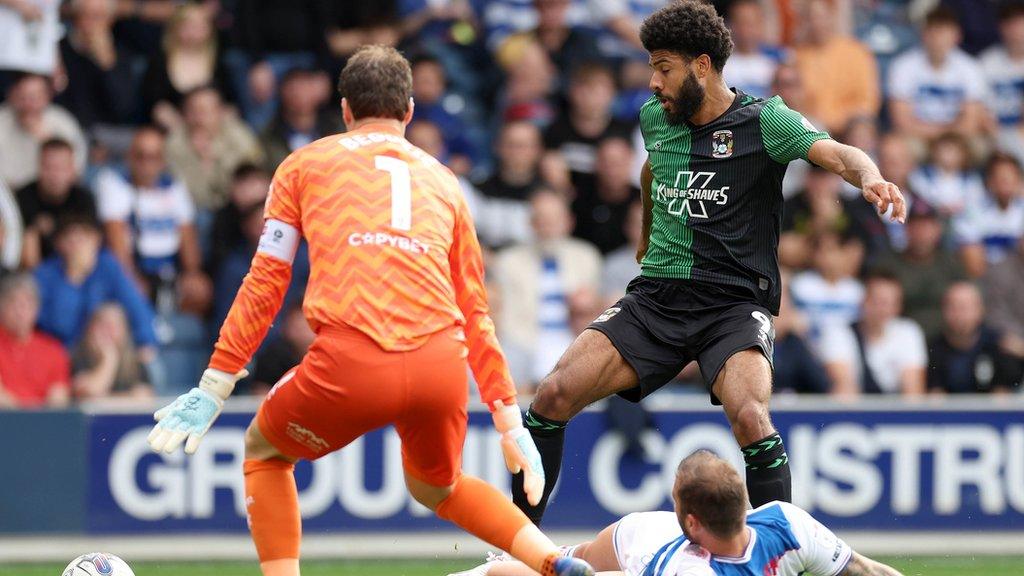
[721, 144]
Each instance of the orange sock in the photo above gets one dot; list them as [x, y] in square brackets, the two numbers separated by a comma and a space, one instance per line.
[272, 504]
[483, 511]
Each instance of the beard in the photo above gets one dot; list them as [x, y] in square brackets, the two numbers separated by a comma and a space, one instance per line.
[686, 102]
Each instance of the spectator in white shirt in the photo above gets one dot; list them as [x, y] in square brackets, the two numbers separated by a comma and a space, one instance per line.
[1003, 65]
[937, 88]
[991, 225]
[1004, 68]
[946, 182]
[543, 285]
[830, 292]
[753, 62]
[149, 220]
[29, 33]
[27, 119]
[882, 353]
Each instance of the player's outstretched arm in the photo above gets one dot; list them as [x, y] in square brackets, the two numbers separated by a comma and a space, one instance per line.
[858, 169]
[863, 566]
[190, 416]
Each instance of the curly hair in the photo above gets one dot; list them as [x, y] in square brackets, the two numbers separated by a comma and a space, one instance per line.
[689, 28]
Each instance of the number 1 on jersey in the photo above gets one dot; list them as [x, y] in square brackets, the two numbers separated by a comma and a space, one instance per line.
[401, 190]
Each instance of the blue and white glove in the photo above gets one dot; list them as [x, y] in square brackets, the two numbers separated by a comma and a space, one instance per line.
[188, 418]
[519, 450]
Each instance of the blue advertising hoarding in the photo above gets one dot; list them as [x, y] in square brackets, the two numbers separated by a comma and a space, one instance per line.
[870, 469]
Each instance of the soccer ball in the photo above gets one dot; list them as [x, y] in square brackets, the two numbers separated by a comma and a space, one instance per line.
[97, 564]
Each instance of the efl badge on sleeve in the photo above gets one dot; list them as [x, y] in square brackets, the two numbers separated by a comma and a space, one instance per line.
[721, 144]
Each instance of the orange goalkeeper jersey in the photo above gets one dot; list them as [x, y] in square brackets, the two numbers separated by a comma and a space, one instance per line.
[393, 253]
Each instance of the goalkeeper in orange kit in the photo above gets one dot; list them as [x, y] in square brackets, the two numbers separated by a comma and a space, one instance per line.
[397, 300]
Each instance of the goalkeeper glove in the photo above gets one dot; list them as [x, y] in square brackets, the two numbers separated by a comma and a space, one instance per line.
[191, 414]
[519, 449]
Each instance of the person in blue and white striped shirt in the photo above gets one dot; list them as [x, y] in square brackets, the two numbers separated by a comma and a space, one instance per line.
[711, 533]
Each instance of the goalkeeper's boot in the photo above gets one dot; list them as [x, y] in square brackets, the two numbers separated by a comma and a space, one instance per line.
[572, 567]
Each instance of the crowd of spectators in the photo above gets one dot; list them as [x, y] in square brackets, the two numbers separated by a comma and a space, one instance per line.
[138, 139]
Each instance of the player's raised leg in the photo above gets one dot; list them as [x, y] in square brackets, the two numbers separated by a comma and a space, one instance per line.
[744, 386]
[599, 553]
[433, 431]
[591, 369]
[482, 510]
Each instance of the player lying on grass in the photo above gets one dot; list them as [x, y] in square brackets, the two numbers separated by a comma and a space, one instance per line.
[396, 297]
[712, 533]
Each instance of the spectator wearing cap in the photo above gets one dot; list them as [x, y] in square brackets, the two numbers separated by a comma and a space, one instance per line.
[839, 73]
[924, 270]
[27, 119]
[34, 367]
[100, 87]
[79, 278]
[937, 88]
[966, 356]
[881, 353]
[53, 195]
[992, 224]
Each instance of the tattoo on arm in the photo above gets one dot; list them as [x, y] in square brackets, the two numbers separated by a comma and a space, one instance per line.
[863, 566]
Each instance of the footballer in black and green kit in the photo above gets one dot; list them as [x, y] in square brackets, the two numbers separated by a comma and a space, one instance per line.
[709, 282]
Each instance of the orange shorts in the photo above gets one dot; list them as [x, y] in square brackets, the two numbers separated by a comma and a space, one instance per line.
[347, 386]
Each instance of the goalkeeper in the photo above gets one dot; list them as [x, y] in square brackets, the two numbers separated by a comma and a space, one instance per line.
[396, 297]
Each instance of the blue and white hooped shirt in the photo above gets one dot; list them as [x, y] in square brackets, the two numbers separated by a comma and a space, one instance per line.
[784, 541]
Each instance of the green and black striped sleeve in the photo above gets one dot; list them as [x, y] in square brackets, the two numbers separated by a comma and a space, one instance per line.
[786, 134]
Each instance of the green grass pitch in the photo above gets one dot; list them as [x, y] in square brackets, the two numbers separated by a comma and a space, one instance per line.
[910, 566]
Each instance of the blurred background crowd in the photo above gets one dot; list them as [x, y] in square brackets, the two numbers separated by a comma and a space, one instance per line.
[138, 139]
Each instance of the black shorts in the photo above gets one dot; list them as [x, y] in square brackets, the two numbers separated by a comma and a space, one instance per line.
[661, 325]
